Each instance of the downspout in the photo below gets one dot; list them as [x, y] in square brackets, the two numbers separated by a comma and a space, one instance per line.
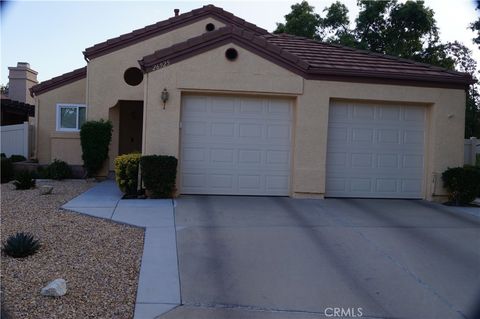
[37, 119]
[87, 84]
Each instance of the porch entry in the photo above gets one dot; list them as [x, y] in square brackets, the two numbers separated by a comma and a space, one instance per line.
[130, 127]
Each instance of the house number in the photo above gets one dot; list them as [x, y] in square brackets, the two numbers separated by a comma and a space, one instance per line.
[161, 65]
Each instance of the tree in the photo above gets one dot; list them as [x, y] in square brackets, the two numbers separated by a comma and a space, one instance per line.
[475, 26]
[335, 26]
[4, 89]
[410, 26]
[372, 23]
[301, 21]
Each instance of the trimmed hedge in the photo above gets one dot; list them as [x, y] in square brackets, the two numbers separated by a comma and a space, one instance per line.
[7, 170]
[462, 183]
[95, 137]
[126, 172]
[159, 174]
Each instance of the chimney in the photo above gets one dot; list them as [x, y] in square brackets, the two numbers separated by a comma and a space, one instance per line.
[177, 11]
[20, 79]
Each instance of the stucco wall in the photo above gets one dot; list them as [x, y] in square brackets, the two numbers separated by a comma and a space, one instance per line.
[210, 72]
[51, 144]
[105, 74]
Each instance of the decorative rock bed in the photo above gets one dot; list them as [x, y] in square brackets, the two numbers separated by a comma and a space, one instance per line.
[99, 260]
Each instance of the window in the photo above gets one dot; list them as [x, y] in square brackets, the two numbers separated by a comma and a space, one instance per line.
[70, 117]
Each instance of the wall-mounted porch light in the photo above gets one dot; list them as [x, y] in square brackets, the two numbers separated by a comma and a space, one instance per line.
[164, 97]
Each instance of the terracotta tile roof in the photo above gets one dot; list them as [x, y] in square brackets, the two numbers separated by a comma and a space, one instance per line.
[329, 57]
[168, 25]
[314, 60]
[58, 81]
[228, 34]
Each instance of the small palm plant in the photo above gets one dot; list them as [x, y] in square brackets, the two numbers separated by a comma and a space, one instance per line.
[21, 245]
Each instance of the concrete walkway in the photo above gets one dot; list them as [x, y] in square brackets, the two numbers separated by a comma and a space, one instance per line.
[158, 285]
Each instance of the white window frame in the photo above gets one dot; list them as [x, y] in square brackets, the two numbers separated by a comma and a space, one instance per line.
[67, 105]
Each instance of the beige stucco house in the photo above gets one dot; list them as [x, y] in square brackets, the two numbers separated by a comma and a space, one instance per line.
[252, 113]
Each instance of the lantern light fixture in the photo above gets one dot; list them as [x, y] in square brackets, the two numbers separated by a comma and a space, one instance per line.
[164, 96]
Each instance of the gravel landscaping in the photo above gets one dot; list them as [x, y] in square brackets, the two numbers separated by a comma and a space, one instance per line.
[99, 259]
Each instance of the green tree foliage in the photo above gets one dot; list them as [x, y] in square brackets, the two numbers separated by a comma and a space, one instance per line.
[410, 25]
[4, 88]
[302, 21]
[335, 26]
[372, 24]
[475, 26]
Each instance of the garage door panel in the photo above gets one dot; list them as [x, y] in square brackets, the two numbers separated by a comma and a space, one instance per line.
[375, 150]
[246, 148]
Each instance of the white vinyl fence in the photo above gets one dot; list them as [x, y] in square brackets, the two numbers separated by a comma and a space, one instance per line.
[16, 139]
[471, 149]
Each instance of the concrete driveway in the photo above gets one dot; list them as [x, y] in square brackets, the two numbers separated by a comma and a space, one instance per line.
[273, 257]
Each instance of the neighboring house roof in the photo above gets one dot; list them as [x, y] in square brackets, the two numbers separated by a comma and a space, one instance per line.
[168, 25]
[314, 60]
[58, 81]
[16, 107]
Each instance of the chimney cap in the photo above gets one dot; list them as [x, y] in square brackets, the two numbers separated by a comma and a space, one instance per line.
[177, 11]
[23, 65]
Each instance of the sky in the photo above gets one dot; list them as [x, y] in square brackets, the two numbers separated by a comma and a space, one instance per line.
[51, 35]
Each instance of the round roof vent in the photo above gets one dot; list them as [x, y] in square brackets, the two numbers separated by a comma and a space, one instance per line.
[231, 54]
[210, 27]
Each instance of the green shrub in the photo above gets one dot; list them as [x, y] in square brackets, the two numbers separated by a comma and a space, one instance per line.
[477, 160]
[17, 158]
[95, 137]
[3, 155]
[42, 172]
[462, 183]
[58, 170]
[7, 170]
[126, 172]
[24, 180]
[159, 174]
[21, 245]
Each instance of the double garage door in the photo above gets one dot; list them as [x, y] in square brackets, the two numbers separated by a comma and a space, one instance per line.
[242, 146]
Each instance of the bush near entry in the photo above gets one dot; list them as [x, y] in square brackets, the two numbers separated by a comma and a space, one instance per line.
[95, 137]
[462, 183]
[126, 172]
[159, 173]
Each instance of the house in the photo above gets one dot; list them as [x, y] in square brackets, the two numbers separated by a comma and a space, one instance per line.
[253, 113]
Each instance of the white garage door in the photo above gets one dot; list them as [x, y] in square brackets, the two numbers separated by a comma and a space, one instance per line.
[375, 150]
[235, 145]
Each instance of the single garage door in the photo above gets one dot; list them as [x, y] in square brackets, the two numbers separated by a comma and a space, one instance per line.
[375, 150]
[235, 145]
